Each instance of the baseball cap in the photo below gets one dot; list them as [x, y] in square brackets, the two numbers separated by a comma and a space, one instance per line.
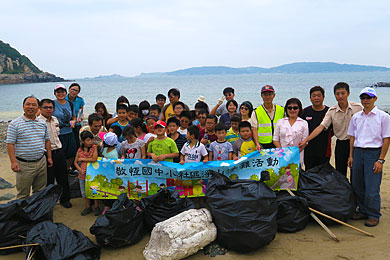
[267, 88]
[59, 86]
[368, 91]
[109, 138]
[160, 123]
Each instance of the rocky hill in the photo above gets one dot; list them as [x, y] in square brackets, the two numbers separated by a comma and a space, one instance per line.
[17, 68]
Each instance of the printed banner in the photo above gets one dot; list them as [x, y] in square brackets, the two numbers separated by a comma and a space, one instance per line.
[108, 178]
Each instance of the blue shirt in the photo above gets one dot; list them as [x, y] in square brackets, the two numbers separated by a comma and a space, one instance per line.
[28, 136]
[78, 103]
[64, 114]
[121, 138]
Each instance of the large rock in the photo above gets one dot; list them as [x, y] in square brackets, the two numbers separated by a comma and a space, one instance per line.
[181, 235]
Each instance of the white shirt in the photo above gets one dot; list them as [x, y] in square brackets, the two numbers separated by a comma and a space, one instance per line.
[195, 153]
[369, 129]
[289, 135]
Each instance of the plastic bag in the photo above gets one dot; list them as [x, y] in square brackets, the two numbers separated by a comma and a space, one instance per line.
[163, 205]
[328, 191]
[74, 186]
[293, 212]
[19, 216]
[244, 212]
[57, 241]
[122, 225]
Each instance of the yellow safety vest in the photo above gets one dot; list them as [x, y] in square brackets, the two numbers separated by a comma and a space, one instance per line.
[266, 126]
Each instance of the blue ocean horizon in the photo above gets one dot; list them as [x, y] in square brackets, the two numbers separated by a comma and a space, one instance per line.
[247, 87]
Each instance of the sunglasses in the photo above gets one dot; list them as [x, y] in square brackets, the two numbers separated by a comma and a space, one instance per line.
[46, 107]
[202, 117]
[244, 108]
[292, 108]
[365, 97]
[184, 121]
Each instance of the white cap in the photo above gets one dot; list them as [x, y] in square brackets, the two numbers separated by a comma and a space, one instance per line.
[201, 99]
[368, 91]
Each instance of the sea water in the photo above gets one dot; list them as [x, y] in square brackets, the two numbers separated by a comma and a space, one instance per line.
[247, 87]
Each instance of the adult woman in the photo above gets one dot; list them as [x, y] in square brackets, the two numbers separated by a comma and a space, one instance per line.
[78, 108]
[291, 130]
[101, 109]
[63, 111]
[231, 107]
[246, 109]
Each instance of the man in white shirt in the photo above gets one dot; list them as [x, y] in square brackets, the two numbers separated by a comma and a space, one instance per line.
[369, 142]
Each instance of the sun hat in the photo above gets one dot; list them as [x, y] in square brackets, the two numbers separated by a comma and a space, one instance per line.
[201, 99]
[109, 138]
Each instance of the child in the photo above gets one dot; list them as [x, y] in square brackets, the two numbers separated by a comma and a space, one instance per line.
[207, 136]
[139, 128]
[244, 144]
[122, 118]
[160, 100]
[133, 112]
[220, 149]
[132, 148]
[178, 107]
[193, 150]
[200, 105]
[143, 109]
[155, 110]
[233, 133]
[162, 148]
[180, 140]
[118, 131]
[185, 119]
[150, 122]
[110, 141]
[85, 154]
[201, 117]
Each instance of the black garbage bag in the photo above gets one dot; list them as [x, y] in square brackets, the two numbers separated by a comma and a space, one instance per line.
[19, 216]
[162, 206]
[293, 212]
[244, 212]
[57, 241]
[122, 225]
[328, 191]
[74, 186]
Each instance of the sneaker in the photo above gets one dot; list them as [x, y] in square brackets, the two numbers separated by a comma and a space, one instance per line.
[371, 222]
[358, 216]
[96, 211]
[86, 211]
[66, 204]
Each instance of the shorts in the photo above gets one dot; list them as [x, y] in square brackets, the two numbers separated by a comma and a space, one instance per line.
[69, 145]
[82, 187]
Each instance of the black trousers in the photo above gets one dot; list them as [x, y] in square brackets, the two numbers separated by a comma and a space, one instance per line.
[268, 146]
[59, 173]
[312, 160]
[341, 156]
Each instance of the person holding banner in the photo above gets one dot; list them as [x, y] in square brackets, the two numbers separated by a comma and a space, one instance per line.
[291, 130]
[264, 119]
[162, 148]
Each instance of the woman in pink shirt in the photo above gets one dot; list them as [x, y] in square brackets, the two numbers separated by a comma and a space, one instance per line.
[291, 130]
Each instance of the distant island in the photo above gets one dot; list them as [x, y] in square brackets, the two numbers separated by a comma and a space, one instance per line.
[17, 68]
[297, 67]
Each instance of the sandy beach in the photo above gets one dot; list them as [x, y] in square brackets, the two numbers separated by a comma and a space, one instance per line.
[310, 243]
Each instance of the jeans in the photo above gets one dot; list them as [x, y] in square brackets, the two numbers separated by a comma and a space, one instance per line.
[366, 183]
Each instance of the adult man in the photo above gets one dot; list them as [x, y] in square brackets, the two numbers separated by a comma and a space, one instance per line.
[264, 119]
[27, 141]
[370, 138]
[318, 150]
[339, 117]
[95, 126]
[220, 107]
[58, 171]
[167, 111]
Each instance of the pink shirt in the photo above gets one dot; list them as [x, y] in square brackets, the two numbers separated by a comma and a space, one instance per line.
[289, 135]
[369, 129]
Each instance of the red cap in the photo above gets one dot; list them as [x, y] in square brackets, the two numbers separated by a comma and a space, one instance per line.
[160, 123]
[268, 88]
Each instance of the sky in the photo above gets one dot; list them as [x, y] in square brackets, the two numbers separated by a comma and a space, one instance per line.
[87, 38]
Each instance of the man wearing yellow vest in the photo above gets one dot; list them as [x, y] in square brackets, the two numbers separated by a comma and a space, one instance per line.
[265, 118]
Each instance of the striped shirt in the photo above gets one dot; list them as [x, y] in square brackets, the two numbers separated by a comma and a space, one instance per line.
[231, 136]
[29, 137]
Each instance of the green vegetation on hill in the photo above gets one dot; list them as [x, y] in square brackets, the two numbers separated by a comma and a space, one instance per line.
[8, 52]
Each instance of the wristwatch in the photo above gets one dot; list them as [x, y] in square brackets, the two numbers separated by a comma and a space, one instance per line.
[381, 161]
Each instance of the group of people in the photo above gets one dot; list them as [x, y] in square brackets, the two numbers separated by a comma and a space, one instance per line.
[49, 140]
